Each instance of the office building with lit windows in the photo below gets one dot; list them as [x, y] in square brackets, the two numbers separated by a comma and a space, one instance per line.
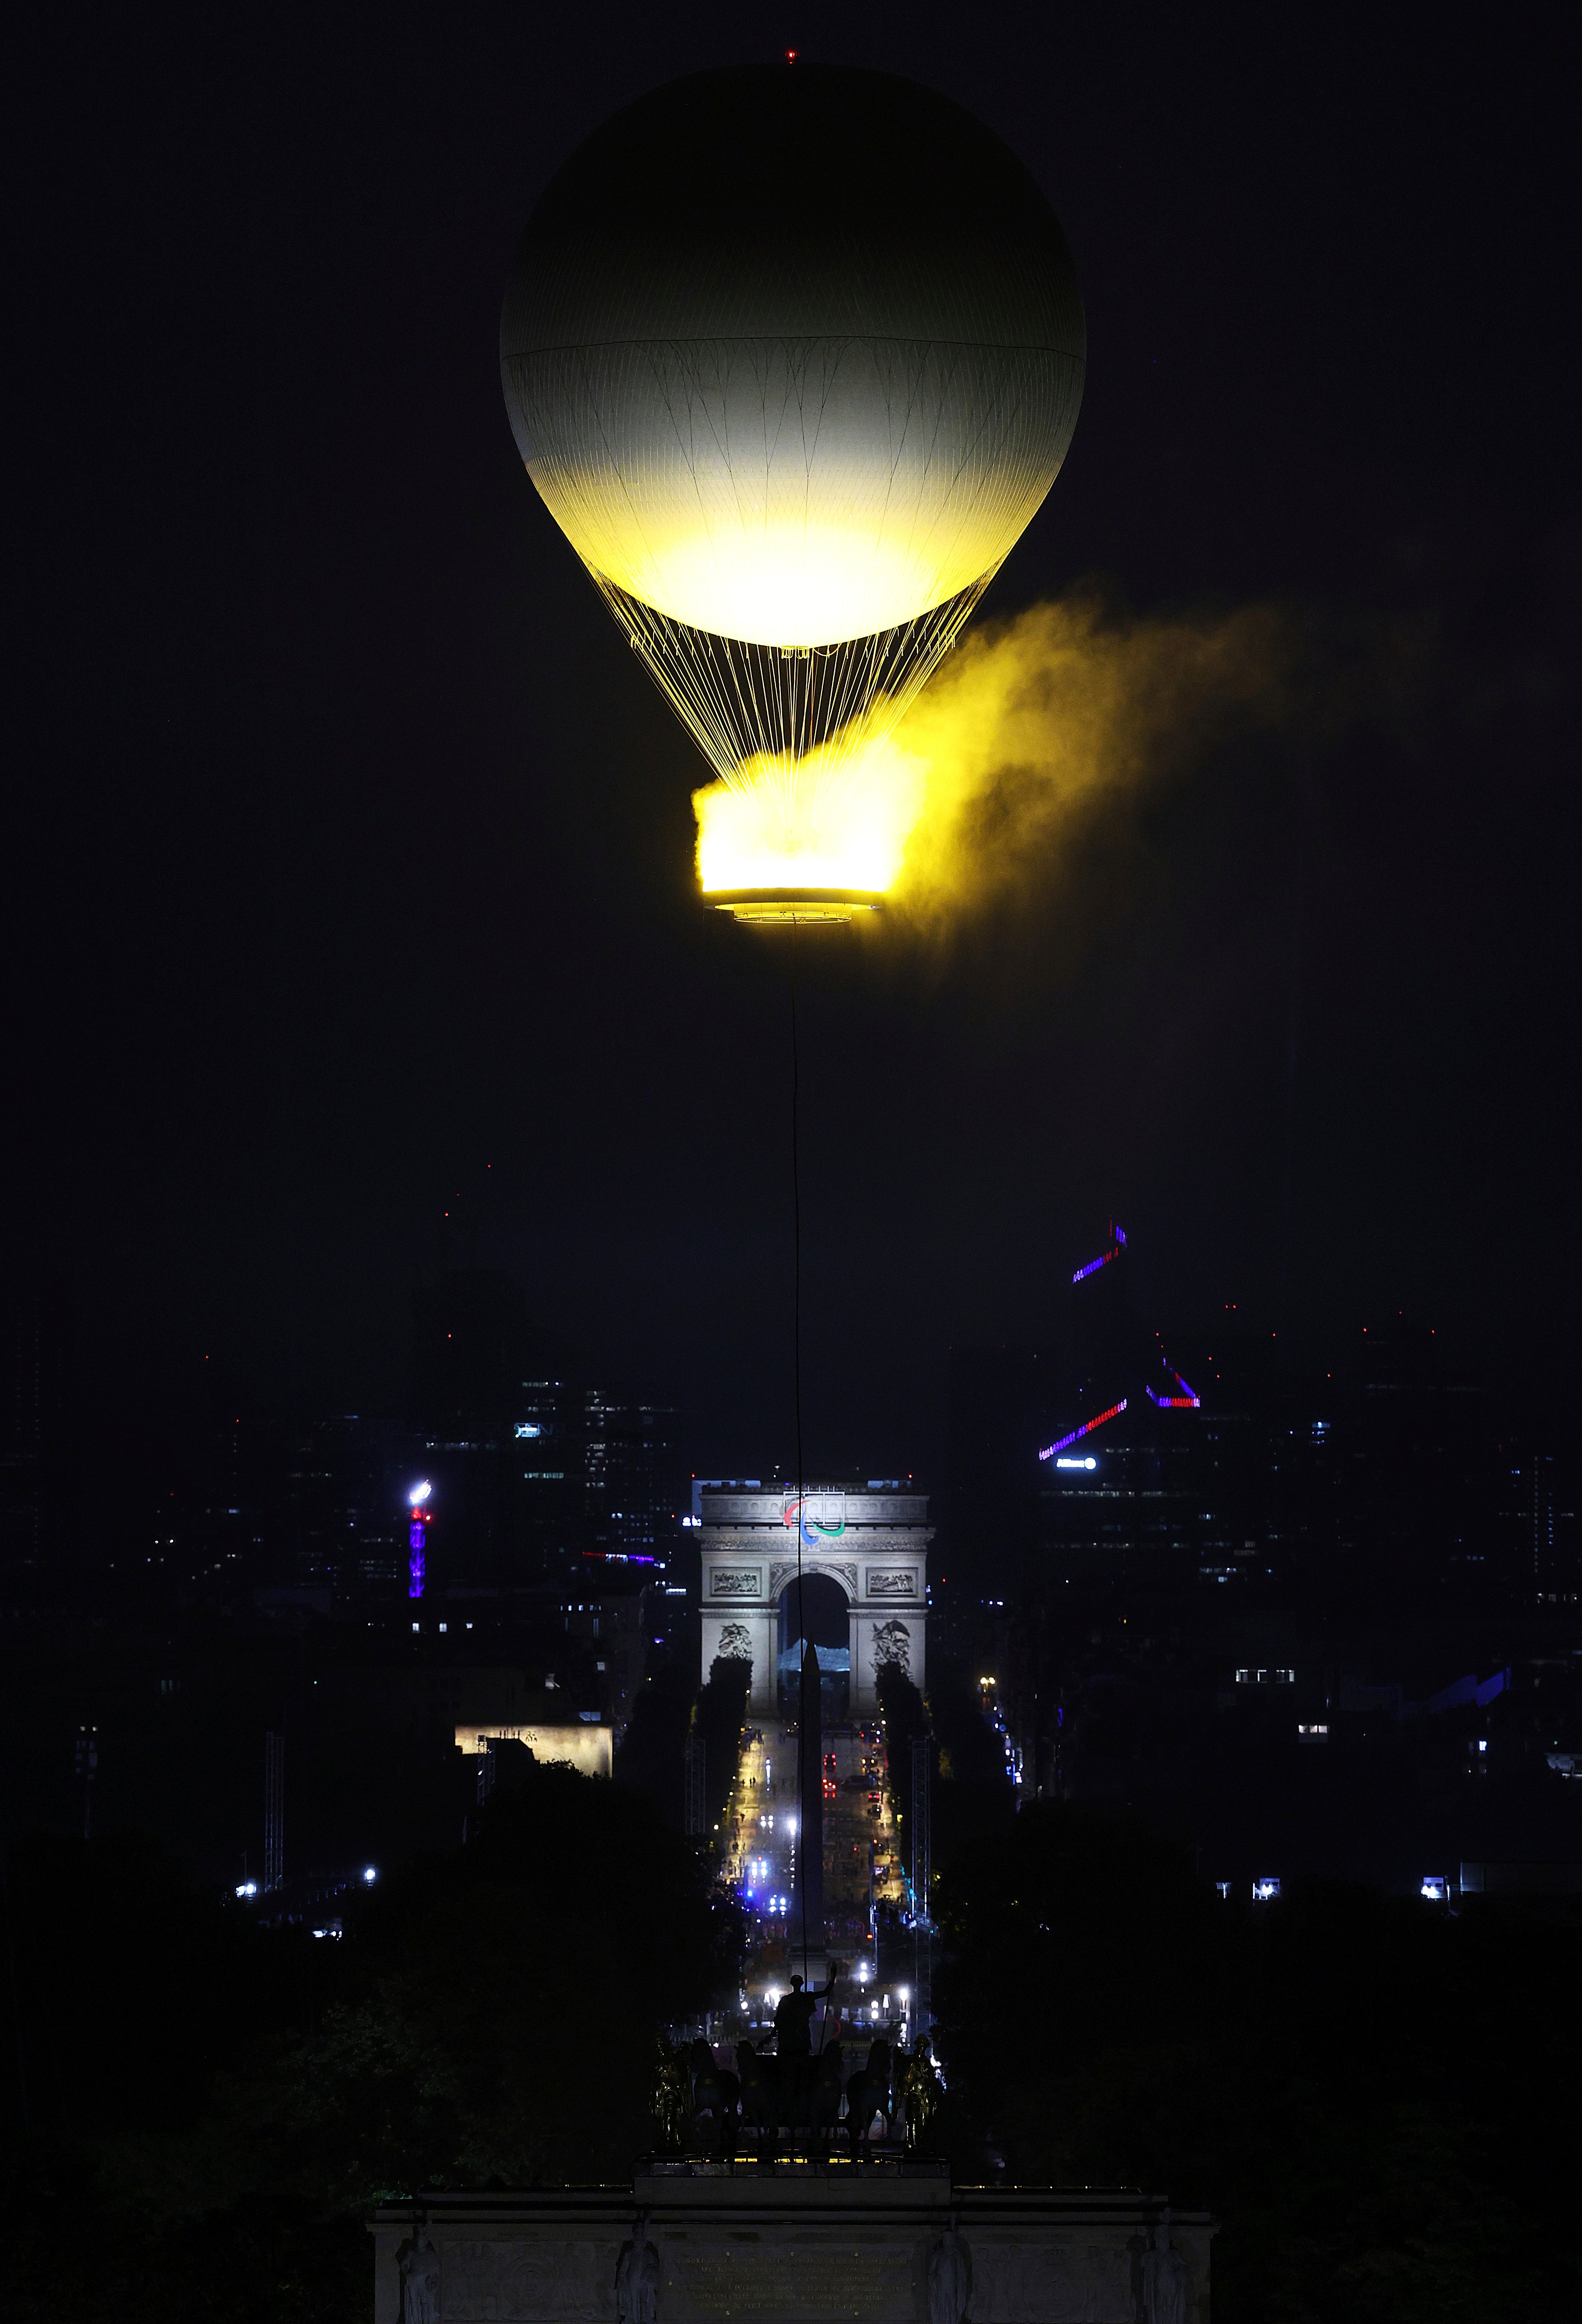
[541, 1467]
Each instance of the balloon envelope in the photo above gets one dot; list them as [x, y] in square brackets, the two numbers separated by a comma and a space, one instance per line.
[792, 353]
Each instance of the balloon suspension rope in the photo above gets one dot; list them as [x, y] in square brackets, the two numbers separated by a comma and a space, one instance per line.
[797, 1389]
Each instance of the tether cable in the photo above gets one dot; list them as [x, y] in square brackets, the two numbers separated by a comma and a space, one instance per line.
[797, 1393]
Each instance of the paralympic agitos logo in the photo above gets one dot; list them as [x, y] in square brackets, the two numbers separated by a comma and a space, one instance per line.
[815, 1531]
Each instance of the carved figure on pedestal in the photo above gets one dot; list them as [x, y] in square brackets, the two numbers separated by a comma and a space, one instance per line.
[637, 2277]
[1164, 2279]
[949, 2279]
[420, 2280]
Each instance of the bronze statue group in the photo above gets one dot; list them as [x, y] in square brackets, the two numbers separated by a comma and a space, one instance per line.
[794, 2094]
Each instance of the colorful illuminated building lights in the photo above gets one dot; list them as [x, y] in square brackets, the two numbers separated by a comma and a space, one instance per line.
[1188, 1399]
[421, 1518]
[1117, 1245]
[1087, 1429]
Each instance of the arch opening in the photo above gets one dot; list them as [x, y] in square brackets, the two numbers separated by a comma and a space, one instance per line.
[816, 1611]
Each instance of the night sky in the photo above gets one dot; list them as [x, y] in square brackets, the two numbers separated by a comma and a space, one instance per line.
[348, 872]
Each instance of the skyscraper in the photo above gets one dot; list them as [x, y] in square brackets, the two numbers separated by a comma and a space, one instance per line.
[540, 1460]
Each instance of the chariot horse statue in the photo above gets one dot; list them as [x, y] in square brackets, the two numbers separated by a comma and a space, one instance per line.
[870, 2092]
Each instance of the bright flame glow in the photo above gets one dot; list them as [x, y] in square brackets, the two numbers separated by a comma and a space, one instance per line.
[837, 818]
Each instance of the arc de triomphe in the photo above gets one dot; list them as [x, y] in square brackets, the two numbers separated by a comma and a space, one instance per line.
[871, 1540]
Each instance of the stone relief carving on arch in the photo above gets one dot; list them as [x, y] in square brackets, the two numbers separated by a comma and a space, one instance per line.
[892, 1648]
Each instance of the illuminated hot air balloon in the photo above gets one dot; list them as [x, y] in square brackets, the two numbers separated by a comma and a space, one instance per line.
[793, 354]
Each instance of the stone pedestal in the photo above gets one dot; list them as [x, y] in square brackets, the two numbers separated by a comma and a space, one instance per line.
[802, 2244]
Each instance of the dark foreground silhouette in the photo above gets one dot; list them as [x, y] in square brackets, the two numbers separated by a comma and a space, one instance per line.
[1377, 2099]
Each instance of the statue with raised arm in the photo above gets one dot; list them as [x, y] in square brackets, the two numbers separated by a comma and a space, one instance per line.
[1164, 2279]
[793, 2016]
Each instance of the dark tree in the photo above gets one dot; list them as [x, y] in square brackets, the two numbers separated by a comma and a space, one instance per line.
[1372, 2096]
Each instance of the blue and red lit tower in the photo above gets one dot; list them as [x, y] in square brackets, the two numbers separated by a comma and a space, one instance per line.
[419, 1517]
[1126, 1365]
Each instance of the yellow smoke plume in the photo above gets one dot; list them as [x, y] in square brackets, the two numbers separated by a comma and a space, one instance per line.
[1029, 722]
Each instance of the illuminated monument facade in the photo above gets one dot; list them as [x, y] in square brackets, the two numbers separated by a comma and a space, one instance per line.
[871, 1541]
